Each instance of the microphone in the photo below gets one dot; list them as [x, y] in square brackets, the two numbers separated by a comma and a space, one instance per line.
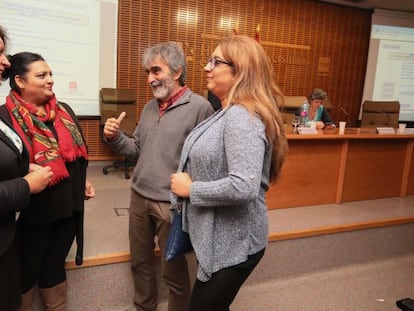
[348, 116]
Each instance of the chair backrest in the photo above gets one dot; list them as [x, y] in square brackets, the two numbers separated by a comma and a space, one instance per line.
[327, 104]
[380, 113]
[292, 103]
[287, 117]
[114, 101]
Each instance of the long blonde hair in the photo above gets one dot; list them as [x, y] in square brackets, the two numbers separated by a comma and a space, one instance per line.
[255, 89]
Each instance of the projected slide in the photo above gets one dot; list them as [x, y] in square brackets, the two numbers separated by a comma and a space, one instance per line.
[390, 69]
[67, 33]
[395, 69]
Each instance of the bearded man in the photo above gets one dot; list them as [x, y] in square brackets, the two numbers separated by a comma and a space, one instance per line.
[156, 145]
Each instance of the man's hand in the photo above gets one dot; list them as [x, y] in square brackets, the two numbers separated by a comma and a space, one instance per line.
[111, 127]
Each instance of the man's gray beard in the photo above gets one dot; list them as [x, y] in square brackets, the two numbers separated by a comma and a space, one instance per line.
[161, 93]
[165, 90]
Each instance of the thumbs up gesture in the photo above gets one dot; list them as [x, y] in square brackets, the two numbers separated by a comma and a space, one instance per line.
[111, 128]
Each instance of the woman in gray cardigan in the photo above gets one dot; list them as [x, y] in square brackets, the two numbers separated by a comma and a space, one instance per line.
[226, 166]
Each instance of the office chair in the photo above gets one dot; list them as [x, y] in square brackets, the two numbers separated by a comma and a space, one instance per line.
[380, 113]
[112, 103]
[292, 103]
[124, 164]
[406, 304]
[287, 117]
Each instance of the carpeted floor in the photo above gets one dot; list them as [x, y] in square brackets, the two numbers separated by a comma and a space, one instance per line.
[344, 272]
[106, 216]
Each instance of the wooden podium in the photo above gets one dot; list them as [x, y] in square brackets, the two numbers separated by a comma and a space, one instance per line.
[114, 101]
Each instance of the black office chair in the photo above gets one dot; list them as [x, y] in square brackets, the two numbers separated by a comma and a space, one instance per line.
[406, 304]
[112, 103]
[124, 164]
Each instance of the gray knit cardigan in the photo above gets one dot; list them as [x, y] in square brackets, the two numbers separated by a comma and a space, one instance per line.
[228, 158]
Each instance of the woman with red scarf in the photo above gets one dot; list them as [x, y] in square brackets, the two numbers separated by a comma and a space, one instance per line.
[52, 135]
[16, 185]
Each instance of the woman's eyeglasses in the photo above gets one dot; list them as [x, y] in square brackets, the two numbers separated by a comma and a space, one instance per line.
[213, 62]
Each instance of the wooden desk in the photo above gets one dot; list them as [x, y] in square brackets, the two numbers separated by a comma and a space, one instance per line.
[332, 168]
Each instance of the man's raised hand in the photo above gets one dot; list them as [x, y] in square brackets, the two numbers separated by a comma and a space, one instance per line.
[111, 128]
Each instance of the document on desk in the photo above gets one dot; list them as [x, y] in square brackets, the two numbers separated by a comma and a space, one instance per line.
[307, 130]
[385, 130]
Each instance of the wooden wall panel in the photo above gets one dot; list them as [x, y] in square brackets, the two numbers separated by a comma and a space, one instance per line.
[297, 35]
[96, 148]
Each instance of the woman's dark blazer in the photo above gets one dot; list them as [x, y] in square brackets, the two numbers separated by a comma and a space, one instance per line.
[14, 190]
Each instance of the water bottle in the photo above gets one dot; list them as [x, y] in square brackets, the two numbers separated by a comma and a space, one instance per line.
[304, 114]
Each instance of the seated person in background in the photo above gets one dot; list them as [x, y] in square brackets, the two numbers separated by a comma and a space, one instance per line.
[318, 114]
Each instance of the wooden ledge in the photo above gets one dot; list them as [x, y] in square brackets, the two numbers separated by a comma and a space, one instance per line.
[99, 260]
[297, 234]
[273, 237]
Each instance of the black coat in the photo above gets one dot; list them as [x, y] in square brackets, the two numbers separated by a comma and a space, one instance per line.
[14, 190]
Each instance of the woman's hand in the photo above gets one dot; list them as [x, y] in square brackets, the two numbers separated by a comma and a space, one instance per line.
[34, 167]
[181, 184]
[319, 125]
[89, 191]
[38, 178]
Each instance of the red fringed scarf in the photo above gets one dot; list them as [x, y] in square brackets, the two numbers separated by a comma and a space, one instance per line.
[39, 140]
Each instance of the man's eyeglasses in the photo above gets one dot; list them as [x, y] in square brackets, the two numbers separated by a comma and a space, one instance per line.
[213, 62]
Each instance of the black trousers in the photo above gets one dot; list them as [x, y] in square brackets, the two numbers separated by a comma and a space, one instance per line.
[219, 292]
[10, 278]
[43, 252]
